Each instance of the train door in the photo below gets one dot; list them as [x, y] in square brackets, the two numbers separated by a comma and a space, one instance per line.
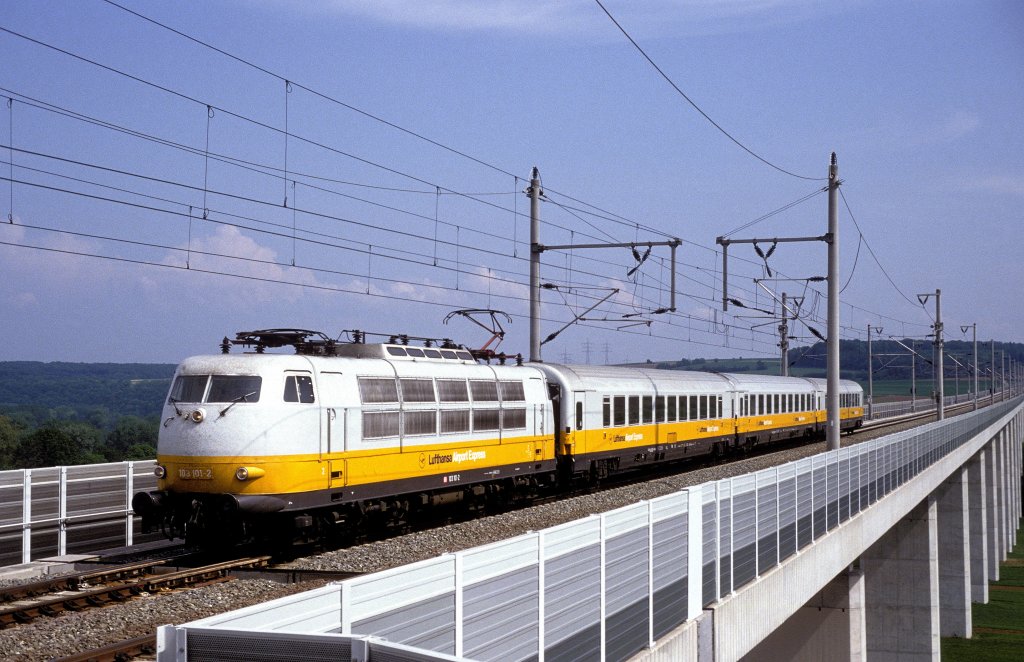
[303, 424]
[334, 415]
[577, 419]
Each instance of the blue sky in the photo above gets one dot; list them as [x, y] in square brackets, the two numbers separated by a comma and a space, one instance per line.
[384, 231]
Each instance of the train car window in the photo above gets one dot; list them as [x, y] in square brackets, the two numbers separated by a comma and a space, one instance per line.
[672, 408]
[703, 407]
[396, 351]
[420, 422]
[648, 409]
[452, 390]
[760, 404]
[634, 409]
[512, 391]
[513, 419]
[189, 388]
[454, 420]
[299, 388]
[619, 410]
[659, 409]
[432, 353]
[465, 356]
[378, 389]
[418, 390]
[414, 351]
[484, 391]
[579, 415]
[713, 407]
[776, 405]
[695, 413]
[684, 413]
[448, 354]
[232, 388]
[380, 424]
[485, 419]
[606, 411]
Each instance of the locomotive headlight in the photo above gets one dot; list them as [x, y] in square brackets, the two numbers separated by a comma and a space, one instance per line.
[245, 473]
[197, 416]
[159, 471]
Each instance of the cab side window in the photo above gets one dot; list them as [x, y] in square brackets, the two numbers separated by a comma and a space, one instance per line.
[298, 388]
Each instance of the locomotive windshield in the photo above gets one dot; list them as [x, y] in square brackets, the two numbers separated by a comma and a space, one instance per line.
[215, 388]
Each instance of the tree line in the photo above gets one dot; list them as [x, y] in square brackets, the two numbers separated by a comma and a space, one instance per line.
[79, 413]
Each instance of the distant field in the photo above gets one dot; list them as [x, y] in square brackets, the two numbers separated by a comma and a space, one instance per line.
[924, 387]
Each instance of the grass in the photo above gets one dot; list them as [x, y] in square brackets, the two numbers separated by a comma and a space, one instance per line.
[999, 625]
[902, 387]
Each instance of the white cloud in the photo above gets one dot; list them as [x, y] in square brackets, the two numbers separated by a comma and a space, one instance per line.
[247, 259]
[1001, 184]
[650, 18]
[954, 127]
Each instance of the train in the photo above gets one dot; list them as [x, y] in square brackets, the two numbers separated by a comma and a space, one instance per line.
[337, 437]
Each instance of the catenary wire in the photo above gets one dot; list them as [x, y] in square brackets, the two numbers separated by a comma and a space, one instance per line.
[698, 108]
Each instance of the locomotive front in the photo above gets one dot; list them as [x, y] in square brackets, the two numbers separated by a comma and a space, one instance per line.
[240, 436]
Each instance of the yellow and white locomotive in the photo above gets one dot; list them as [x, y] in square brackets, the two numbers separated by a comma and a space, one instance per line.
[344, 436]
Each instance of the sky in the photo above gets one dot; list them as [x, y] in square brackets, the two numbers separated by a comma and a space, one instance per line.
[173, 173]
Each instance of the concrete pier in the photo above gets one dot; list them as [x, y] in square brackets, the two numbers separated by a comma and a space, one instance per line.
[828, 627]
[954, 555]
[901, 590]
[977, 489]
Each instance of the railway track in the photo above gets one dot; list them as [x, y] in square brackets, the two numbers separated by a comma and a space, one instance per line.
[87, 590]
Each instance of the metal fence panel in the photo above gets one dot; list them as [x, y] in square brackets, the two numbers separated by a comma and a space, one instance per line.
[670, 561]
[627, 562]
[744, 529]
[725, 547]
[572, 604]
[500, 616]
[805, 501]
[787, 511]
[427, 624]
[767, 482]
[709, 547]
[57, 510]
